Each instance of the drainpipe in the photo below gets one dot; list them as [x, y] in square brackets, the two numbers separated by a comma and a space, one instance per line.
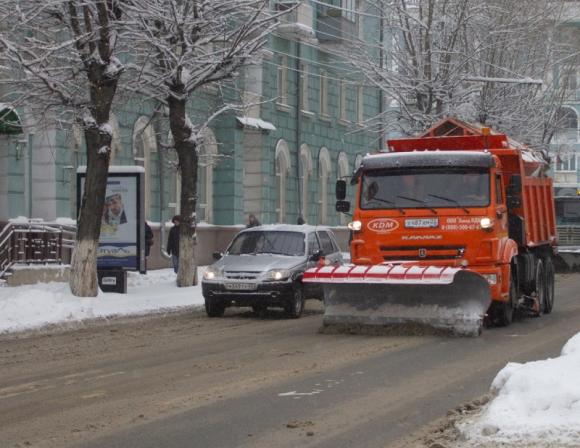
[29, 186]
[381, 96]
[160, 170]
[298, 127]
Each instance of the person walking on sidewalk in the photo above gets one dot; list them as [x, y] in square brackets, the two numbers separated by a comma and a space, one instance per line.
[173, 242]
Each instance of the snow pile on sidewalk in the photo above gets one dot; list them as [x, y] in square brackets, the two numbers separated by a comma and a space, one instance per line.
[536, 403]
[35, 306]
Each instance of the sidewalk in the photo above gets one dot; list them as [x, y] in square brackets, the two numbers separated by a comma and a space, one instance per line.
[36, 306]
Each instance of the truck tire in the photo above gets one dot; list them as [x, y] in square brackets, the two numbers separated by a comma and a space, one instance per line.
[295, 306]
[214, 309]
[504, 311]
[540, 288]
[549, 270]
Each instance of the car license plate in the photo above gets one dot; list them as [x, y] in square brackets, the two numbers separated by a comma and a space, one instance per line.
[240, 286]
[422, 223]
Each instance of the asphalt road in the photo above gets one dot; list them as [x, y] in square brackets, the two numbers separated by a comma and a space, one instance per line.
[184, 380]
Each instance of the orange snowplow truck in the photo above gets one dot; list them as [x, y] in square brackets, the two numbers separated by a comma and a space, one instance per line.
[448, 228]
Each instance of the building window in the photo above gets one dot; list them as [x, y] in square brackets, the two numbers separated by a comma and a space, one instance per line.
[343, 173]
[360, 104]
[565, 159]
[349, 9]
[305, 172]
[282, 171]
[282, 81]
[144, 144]
[324, 169]
[343, 100]
[323, 94]
[303, 87]
[566, 126]
[207, 158]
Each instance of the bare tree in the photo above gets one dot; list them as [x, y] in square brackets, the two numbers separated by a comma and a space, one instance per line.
[481, 61]
[58, 58]
[179, 47]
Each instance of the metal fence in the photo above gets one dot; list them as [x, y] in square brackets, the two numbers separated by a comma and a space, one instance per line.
[35, 243]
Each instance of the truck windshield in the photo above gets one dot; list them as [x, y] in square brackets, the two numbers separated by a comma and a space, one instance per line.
[426, 188]
[568, 211]
[268, 242]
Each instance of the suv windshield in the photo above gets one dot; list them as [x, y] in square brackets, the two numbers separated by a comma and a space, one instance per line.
[426, 188]
[568, 211]
[267, 242]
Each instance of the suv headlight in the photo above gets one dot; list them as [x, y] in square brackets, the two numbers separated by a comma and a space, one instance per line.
[277, 275]
[212, 273]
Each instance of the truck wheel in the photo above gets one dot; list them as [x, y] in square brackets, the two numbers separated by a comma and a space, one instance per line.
[214, 309]
[550, 286]
[540, 282]
[295, 305]
[504, 311]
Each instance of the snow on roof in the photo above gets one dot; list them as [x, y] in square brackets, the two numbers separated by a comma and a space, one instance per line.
[256, 123]
[117, 169]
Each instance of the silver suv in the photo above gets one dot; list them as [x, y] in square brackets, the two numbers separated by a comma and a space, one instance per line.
[263, 267]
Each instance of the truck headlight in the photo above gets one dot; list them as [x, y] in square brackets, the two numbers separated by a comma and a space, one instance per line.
[486, 223]
[491, 278]
[212, 273]
[277, 275]
[355, 225]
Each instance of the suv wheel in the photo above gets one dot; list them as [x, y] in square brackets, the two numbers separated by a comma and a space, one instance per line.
[295, 305]
[214, 309]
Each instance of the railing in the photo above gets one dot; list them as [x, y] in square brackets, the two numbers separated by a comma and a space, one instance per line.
[35, 243]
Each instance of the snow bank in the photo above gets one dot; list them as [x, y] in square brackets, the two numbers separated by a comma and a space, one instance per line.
[34, 306]
[536, 403]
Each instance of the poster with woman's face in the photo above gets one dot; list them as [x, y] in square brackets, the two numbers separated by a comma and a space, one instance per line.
[119, 224]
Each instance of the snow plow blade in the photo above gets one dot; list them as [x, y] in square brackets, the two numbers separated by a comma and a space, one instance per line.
[409, 299]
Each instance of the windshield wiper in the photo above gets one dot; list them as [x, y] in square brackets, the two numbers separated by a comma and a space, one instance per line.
[386, 201]
[453, 201]
[418, 201]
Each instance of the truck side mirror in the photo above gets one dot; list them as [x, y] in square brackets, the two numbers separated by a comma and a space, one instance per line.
[340, 190]
[342, 206]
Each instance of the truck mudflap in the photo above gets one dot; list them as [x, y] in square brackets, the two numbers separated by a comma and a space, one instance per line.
[403, 298]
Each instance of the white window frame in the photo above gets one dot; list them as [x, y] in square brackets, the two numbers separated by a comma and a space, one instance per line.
[324, 173]
[282, 168]
[343, 100]
[304, 103]
[143, 132]
[349, 9]
[323, 94]
[305, 172]
[208, 151]
[360, 95]
[282, 80]
[343, 170]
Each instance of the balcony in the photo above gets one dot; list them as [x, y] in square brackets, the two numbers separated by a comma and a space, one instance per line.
[297, 21]
[333, 27]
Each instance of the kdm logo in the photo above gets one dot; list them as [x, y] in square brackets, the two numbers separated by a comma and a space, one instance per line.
[383, 225]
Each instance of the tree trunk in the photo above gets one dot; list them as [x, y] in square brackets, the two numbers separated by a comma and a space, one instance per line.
[83, 276]
[186, 148]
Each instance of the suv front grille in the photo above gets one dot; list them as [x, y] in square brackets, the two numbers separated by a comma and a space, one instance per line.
[237, 275]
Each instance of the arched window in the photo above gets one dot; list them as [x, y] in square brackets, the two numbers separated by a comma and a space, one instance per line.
[144, 144]
[566, 126]
[207, 152]
[343, 173]
[305, 172]
[282, 171]
[324, 171]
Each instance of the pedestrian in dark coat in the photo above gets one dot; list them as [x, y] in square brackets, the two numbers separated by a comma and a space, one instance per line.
[253, 221]
[173, 242]
[148, 239]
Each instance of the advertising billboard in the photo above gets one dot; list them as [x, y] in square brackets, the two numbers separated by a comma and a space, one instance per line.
[121, 244]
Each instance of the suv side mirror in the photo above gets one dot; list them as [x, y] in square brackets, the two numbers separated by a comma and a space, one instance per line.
[342, 206]
[315, 256]
[217, 255]
[340, 190]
